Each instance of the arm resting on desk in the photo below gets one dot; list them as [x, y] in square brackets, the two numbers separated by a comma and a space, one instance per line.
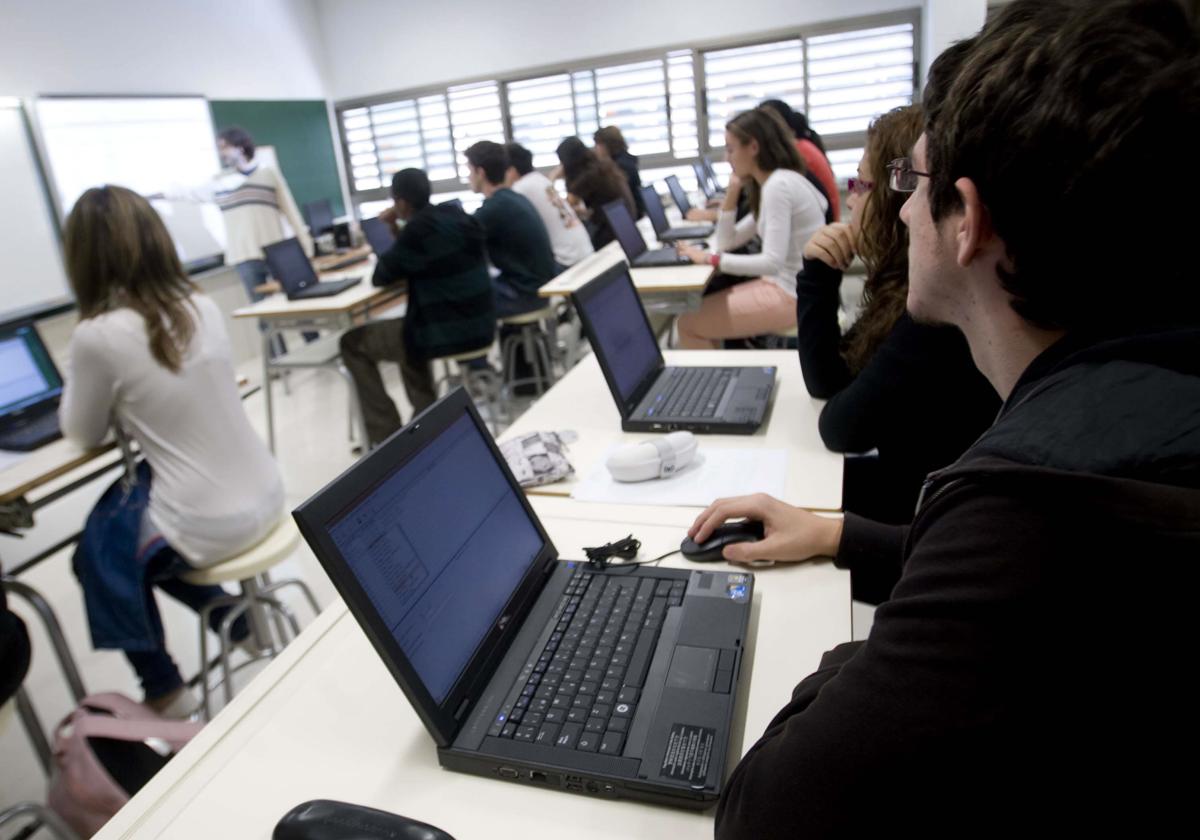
[85, 412]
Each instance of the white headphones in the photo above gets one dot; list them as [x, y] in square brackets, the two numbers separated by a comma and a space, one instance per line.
[656, 458]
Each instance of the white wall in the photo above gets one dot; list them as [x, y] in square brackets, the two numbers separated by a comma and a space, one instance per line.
[946, 21]
[377, 46]
[223, 49]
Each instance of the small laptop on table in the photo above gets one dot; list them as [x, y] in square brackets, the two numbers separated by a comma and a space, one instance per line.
[650, 396]
[291, 267]
[378, 234]
[662, 227]
[634, 244]
[707, 180]
[618, 683]
[30, 389]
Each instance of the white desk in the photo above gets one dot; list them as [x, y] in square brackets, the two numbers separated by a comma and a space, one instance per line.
[582, 402]
[326, 720]
[335, 313]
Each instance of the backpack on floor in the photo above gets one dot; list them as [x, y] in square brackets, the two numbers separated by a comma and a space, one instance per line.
[104, 752]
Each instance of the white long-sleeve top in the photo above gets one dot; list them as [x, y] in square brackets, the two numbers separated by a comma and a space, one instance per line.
[216, 489]
[251, 204]
[790, 212]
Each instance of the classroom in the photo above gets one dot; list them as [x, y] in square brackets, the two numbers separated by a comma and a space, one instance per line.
[638, 419]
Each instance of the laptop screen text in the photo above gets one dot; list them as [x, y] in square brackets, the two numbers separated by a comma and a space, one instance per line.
[26, 374]
[439, 547]
[626, 343]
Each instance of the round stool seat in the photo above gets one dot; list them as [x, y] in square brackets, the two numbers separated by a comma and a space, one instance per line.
[468, 356]
[529, 317]
[275, 547]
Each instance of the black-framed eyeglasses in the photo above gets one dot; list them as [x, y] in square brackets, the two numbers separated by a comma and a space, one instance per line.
[902, 177]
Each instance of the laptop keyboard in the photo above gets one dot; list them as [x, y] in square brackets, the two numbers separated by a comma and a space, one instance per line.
[692, 392]
[580, 692]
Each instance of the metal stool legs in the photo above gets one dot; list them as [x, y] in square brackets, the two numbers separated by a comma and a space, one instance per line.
[42, 818]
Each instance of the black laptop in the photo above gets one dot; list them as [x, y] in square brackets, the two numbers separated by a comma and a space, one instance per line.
[30, 388]
[616, 684]
[378, 234]
[662, 228]
[291, 267]
[651, 396]
[678, 195]
[634, 244]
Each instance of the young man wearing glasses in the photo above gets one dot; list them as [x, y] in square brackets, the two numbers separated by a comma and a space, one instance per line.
[1032, 665]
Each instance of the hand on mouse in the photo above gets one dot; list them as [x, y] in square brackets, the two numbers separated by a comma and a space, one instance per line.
[790, 533]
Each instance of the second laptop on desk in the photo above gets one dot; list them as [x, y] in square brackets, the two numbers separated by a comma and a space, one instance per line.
[650, 396]
[291, 267]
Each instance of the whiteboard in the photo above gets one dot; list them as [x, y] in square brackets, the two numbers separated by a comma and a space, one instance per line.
[32, 277]
[148, 144]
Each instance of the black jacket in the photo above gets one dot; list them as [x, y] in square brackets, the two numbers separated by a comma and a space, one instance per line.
[919, 400]
[628, 164]
[1031, 669]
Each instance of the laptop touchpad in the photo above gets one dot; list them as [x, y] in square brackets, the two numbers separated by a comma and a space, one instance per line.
[692, 667]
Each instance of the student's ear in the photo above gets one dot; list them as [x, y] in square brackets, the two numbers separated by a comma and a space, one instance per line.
[975, 228]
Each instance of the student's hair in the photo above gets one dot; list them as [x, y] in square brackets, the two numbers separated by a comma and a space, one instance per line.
[1063, 113]
[412, 186]
[776, 148]
[489, 157]
[118, 254]
[796, 121]
[519, 158]
[611, 138]
[574, 157]
[883, 238]
[235, 135]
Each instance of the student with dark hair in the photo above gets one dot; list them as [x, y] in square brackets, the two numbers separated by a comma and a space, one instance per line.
[785, 210]
[440, 252]
[151, 354]
[568, 237]
[1031, 667]
[886, 362]
[810, 147]
[592, 183]
[610, 145]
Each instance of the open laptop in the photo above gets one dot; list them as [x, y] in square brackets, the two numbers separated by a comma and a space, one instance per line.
[30, 388]
[679, 195]
[707, 186]
[290, 266]
[651, 396]
[617, 683]
[634, 244]
[712, 173]
[662, 228]
[319, 216]
[378, 234]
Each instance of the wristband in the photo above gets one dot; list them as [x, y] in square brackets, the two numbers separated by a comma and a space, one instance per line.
[715, 260]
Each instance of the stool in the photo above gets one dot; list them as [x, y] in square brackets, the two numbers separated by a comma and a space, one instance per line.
[475, 379]
[249, 571]
[532, 338]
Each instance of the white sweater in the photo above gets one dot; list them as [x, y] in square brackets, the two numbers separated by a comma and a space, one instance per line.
[216, 489]
[568, 237]
[790, 212]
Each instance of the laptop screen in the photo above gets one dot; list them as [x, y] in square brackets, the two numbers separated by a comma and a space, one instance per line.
[654, 209]
[378, 234]
[618, 325]
[625, 229]
[319, 215]
[439, 546]
[27, 374]
[678, 195]
[289, 265]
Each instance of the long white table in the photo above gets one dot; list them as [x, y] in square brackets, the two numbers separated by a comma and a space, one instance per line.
[581, 401]
[326, 720]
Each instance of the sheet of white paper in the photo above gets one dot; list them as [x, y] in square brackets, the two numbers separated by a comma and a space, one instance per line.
[719, 472]
[9, 458]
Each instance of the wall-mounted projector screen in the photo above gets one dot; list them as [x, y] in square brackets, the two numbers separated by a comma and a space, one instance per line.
[33, 279]
[148, 144]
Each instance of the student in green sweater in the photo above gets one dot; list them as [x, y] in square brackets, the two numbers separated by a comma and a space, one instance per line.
[440, 252]
[517, 242]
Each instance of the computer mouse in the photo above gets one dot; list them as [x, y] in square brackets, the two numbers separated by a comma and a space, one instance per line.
[709, 551]
[325, 819]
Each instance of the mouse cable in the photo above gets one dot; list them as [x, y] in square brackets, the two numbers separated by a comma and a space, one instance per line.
[626, 549]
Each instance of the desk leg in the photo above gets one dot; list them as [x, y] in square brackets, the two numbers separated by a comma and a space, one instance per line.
[266, 385]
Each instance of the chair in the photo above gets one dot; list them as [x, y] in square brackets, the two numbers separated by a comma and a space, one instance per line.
[531, 337]
[481, 382]
[255, 600]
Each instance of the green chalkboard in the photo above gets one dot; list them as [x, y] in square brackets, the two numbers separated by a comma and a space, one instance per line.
[299, 131]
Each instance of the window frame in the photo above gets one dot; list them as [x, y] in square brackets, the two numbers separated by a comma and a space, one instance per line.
[712, 147]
